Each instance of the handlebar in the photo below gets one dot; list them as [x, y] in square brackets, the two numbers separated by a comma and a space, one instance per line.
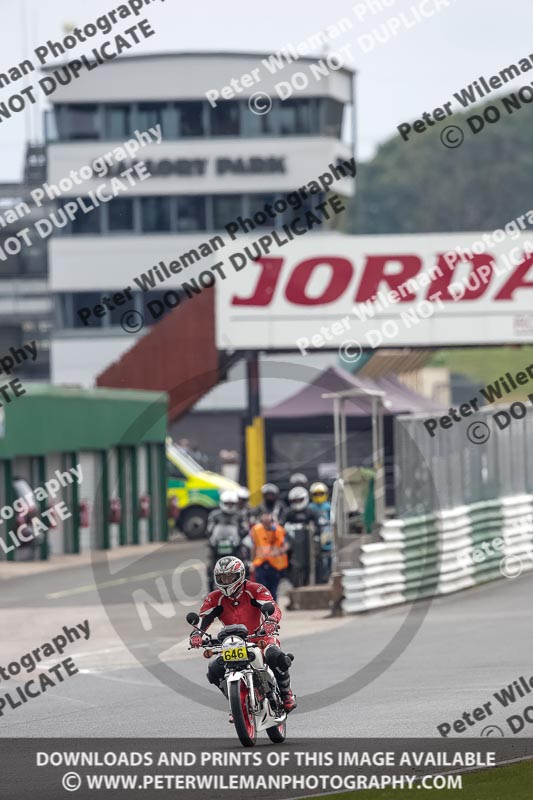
[212, 642]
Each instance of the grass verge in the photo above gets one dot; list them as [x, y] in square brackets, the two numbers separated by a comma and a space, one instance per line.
[513, 782]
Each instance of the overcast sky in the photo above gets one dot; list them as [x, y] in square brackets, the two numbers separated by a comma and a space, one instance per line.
[415, 71]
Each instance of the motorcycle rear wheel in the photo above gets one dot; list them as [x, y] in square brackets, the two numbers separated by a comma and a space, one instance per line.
[243, 717]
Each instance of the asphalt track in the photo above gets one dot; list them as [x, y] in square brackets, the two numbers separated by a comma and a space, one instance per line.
[464, 648]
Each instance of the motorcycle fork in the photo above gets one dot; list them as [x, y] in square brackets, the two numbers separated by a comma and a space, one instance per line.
[249, 678]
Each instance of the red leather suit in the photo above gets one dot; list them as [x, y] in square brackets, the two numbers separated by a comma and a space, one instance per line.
[243, 608]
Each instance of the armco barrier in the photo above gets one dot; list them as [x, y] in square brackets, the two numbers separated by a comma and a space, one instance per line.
[440, 553]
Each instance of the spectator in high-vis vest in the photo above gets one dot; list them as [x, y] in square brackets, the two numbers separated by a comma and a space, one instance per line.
[269, 552]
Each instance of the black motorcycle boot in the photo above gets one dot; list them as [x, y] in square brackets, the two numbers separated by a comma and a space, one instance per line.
[287, 695]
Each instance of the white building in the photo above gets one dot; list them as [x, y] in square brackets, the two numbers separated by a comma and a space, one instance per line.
[26, 311]
[213, 165]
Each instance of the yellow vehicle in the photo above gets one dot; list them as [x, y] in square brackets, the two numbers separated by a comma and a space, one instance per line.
[192, 491]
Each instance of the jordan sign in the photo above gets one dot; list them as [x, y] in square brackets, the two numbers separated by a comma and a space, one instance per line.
[420, 290]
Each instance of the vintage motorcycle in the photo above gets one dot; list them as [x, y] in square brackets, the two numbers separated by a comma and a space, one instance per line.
[251, 687]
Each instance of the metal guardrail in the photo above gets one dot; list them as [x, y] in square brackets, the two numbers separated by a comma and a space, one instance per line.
[448, 470]
[440, 553]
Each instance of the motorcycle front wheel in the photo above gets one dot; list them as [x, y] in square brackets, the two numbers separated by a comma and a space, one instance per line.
[277, 733]
[243, 717]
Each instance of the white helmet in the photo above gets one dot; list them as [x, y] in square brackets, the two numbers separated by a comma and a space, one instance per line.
[298, 498]
[229, 575]
[243, 493]
[228, 501]
[299, 479]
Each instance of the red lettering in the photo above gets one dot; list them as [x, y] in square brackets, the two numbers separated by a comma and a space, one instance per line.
[440, 283]
[515, 281]
[341, 273]
[374, 273]
[265, 286]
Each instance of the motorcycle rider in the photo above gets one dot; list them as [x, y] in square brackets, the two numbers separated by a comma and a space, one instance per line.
[301, 516]
[247, 513]
[319, 500]
[272, 504]
[248, 520]
[319, 494]
[299, 508]
[237, 600]
[225, 530]
[297, 479]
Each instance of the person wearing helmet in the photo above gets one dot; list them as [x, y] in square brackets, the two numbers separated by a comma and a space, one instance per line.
[248, 520]
[246, 513]
[319, 494]
[237, 600]
[296, 479]
[272, 504]
[300, 522]
[319, 500]
[299, 505]
[299, 479]
[225, 531]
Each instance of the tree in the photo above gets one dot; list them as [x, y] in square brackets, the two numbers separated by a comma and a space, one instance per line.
[421, 186]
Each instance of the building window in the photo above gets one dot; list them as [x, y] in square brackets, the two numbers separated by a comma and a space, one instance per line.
[195, 119]
[257, 124]
[89, 299]
[13, 265]
[225, 119]
[11, 336]
[226, 208]
[51, 127]
[190, 213]
[35, 259]
[91, 222]
[155, 214]
[117, 121]
[115, 315]
[310, 203]
[295, 117]
[333, 114]
[190, 119]
[82, 122]
[258, 203]
[150, 115]
[159, 308]
[120, 214]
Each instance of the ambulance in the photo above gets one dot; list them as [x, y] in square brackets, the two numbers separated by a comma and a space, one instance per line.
[192, 491]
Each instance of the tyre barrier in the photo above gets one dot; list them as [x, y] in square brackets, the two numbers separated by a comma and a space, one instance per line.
[440, 553]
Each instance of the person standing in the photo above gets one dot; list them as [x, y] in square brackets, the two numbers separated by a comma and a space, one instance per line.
[269, 552]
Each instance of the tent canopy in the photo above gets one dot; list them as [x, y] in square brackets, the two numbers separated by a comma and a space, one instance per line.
[308, 402]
